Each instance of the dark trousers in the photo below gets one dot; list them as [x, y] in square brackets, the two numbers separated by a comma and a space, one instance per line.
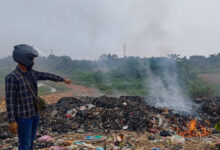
[27, 129]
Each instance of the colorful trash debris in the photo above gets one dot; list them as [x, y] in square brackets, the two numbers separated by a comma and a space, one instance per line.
[125, 127]
[217, 126]
[120, 138]
[78, 142]
[100, 148]
[95, 138]
[56, 148]
[45, 138]
[177, 138]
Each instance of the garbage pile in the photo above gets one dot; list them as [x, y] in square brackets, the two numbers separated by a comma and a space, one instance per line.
[97, 115]
[210, 110]
[108, 115]
[102, 114]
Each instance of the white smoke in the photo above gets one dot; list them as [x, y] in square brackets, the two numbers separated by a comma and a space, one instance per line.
[165, 90]
[41, 53]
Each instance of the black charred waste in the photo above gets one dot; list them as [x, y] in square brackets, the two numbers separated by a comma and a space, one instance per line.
[104, 114]
[97, 114]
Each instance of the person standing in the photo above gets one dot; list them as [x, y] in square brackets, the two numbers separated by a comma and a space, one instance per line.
[23, 115]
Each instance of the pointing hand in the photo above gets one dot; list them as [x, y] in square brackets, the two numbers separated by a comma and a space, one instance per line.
[67, 81]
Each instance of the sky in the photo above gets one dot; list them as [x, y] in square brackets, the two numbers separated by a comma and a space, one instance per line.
[86, 29]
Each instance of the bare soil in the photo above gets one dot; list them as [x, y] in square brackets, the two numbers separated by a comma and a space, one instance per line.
[75, 90]
[211, 78]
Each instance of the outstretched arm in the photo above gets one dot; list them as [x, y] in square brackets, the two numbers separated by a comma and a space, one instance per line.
[51, 77]
[48, 76]
[67, 81]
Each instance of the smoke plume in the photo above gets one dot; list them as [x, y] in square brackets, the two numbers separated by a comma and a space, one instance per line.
[165, 90]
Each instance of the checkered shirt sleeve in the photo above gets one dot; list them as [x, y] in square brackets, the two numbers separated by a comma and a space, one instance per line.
[11, 86]
[48, 76]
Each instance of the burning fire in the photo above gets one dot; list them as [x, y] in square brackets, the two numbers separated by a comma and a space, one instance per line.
[194, 130]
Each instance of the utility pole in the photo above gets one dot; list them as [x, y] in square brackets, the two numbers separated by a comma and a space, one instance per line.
[51, 52]
[124, 49]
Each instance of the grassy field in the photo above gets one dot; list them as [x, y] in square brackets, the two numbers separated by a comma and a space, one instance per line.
[214, 80]
[130, 75]
[3, 73]
[44, 90]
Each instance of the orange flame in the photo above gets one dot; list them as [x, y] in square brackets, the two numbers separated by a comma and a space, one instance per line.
[193, 131]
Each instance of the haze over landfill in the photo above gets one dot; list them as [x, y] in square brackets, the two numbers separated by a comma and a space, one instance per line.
[85, 29]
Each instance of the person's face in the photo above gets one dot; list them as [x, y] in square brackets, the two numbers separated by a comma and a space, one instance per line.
[33, 62]
[31, 66]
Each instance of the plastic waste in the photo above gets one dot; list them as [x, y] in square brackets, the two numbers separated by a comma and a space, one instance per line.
[217, 126]
[72, 147]
[71, 113]
[78, 142]
[120, 138]
[56, 148]
[45, 138]
[116, 148]
[177, 138]
[100, 148]
[97, 137]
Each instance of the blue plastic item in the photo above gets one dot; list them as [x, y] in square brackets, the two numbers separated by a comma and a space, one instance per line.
[98, 137]
[100, 148]
[77, 142]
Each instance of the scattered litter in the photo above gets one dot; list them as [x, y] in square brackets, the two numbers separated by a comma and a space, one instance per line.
[45, 138]
[56, 148]
[177, 138]
[100, 148]
[217, 126]
[125, 127]
[165, 133]
[155, 149]
[120, 138]
[78, 142]
[95, 138]
[125, 123]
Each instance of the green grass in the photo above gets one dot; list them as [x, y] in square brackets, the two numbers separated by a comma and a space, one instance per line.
[3, 73]
[44, 90]
[109, 83]
[124, 76]
[216, 87]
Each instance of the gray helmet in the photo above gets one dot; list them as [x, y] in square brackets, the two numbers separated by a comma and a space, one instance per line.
[24, 54]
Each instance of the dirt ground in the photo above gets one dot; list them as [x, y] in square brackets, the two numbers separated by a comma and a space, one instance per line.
[75, 90]
[211, 78]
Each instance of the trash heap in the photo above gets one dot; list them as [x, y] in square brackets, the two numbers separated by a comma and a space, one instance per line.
[210, 110]
[103, 114]
[84, 116]
[100, 114]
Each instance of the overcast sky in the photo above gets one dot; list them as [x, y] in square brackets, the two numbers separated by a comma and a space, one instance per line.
[85, 29]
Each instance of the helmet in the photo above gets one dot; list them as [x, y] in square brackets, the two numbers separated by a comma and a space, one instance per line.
[24, 54]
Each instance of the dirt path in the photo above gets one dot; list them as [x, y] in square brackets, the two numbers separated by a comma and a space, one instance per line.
[211, 78]
[75, 90]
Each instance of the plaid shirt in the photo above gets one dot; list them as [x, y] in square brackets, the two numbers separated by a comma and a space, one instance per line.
[19, 98]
